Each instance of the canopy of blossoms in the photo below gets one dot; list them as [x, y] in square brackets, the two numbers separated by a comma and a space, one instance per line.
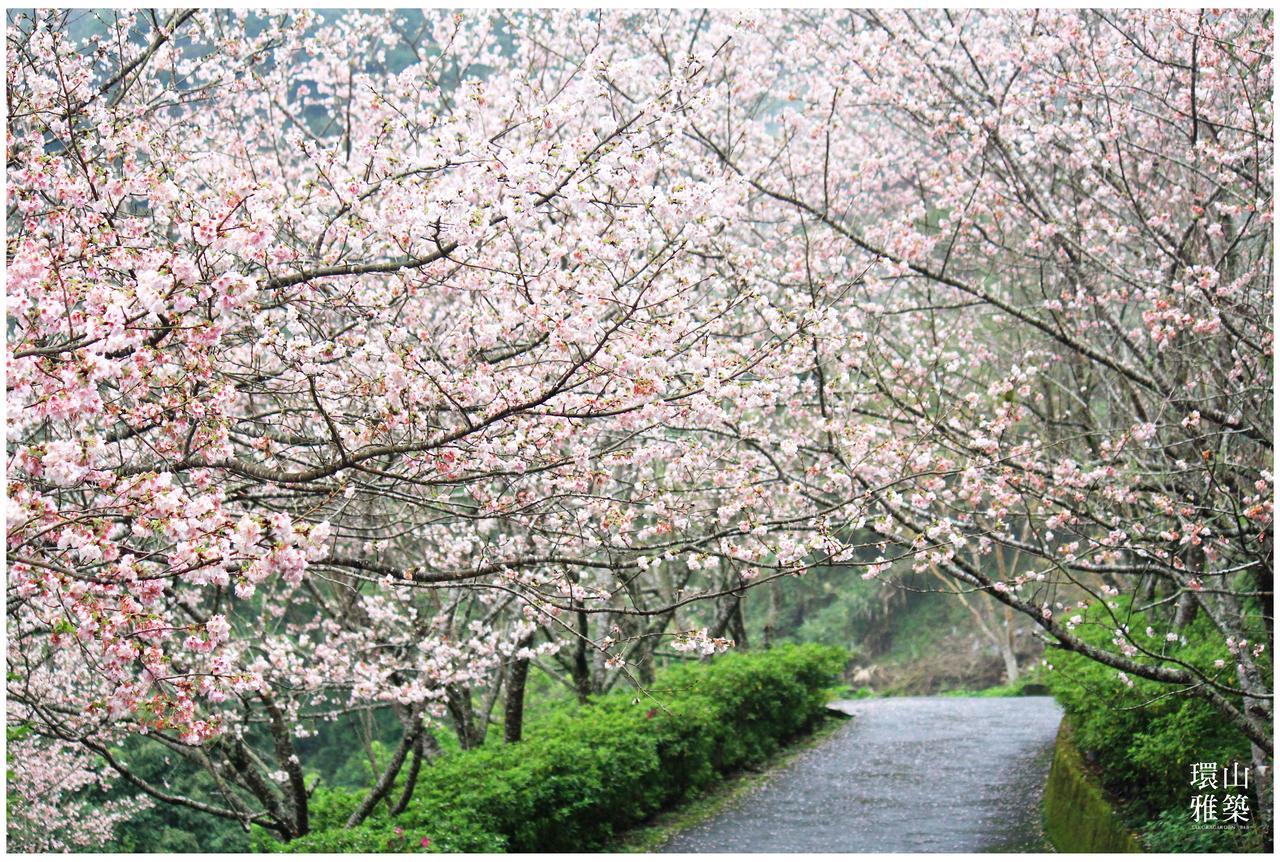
[355, 359]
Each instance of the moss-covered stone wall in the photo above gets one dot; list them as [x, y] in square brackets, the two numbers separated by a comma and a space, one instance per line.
[1078, 816]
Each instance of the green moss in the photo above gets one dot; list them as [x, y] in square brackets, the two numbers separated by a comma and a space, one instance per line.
[1079, 818]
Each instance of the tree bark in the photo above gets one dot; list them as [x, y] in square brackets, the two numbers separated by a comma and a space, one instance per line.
[282, 739]
[581, 667]
[458, 702]
[424, 748]
[1008, 649]
[513, 716]
[738, 625]
[409, 740]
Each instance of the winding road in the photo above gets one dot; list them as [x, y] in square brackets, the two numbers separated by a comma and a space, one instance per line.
[906, 774]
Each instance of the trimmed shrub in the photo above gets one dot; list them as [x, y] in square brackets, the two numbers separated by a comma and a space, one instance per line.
[583, 773]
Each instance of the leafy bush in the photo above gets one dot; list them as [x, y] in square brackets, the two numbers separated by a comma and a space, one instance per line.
[1174, 832]
[583, 773]
[1143, 738]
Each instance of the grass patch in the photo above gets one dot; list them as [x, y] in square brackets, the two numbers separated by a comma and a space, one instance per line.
[650, 836]
[1029, 684]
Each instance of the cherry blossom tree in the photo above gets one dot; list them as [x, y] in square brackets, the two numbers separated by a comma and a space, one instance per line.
[1061, 225]
[47, 808]
[336, 385]
[1041, 245]
[359, 361]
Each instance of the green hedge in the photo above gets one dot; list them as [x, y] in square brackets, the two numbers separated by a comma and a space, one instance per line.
[1143, 739]
[585, 773]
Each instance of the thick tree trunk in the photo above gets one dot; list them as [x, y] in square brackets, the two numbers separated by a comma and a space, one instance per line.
[645, 660]
[1186, 612]
[738, 625]
[1008, 649]
[1262, 787]
[458, 702]
[724, 613]
[645, 671]
[241, 759]
[581, 667]
[296, 788]
[425, 748]
[1010, 663]
[771, 616]
[513, 715]
[411, 779]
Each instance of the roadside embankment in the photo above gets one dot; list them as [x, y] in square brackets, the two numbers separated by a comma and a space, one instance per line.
[1078, 816]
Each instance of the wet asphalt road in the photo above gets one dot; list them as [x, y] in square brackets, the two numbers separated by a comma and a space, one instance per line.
[906, 774]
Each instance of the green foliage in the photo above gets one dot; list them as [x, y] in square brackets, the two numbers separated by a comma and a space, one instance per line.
[657, 831]
[171, 828]
[1029, 684]
[918, 625]
[443, 831]
[583, 773]
[829, 606]
[1142, 739]
[338, 751]
[1174, 832]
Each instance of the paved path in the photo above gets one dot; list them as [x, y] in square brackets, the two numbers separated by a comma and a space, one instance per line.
[906, 774]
